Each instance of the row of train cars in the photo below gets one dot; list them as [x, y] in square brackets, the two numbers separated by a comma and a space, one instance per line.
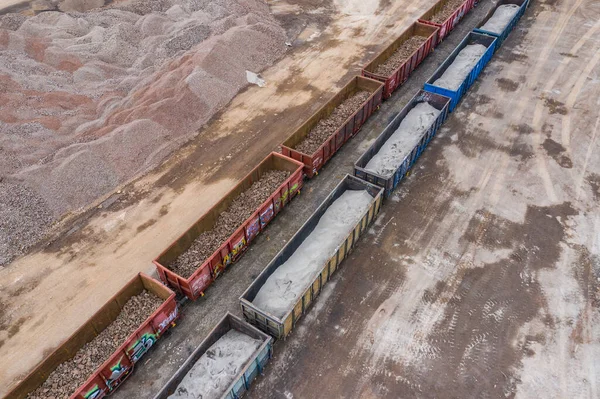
[258, 323]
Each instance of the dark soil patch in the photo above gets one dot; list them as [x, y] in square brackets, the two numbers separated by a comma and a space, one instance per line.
[163, 210]
[556, 151]
[145, 225]
[507, 84]
[328, 126]
[594, 181]
[522, 128]
[491, 303]
[15, 327]
[537, 239]
[555, 107]
[228, 222]
[68, 376]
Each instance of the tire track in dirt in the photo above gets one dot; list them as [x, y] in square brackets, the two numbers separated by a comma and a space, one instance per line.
[565, 132]
[549, 44]
[572, 98]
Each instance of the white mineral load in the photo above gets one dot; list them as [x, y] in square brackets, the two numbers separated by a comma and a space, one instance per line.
[216, 370]
[464, 62]
[283, 288]
[502, 16]
[391, 155]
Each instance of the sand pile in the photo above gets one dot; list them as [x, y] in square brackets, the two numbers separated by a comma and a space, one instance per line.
[283, 288]
[460, 68]
[412, 128]
[90, 100]
[502, 16]
[217, 368]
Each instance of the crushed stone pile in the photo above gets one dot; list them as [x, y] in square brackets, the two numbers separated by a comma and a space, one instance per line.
[400, 55]
[68, 376]
[327, 126]
[501, 18]
[446, 10]
[393, 152]
[93, 99]
[218, 367]
[283, 288]
[460, 68]
[23, 219]
[228, 222]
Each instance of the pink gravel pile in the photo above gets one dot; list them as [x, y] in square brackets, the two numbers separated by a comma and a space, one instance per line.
[93, 99]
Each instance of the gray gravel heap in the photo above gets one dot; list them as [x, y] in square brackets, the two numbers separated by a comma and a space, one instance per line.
[400, 55]
[230, 220]
[327, 126]
[68, 376]
[24, 217]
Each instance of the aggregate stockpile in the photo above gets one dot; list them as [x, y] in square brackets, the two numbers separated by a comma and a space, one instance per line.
[404, 139]
[501, 18]
[101, 354]
[220, 237]
[445, 11]
[93, 99]
[283, 288]
[228, 222]
[224, 365]
[327, 126]
[463, 64]
[218, 367]
[68, 376]
[395, 63]
[400, 55]
[321, 136]
[446, 14]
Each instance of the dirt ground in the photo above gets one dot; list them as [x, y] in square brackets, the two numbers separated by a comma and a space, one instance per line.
[479, 278]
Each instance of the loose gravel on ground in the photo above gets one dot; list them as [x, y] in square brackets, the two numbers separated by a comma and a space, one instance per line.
[240, 209]
[446, 10]
[68, 376]
[400, 55]
[23, 219]
[327, 126]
